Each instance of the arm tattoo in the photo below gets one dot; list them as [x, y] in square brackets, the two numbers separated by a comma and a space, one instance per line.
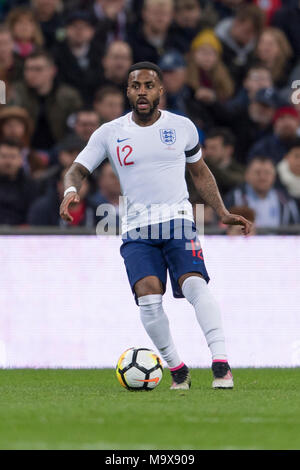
[75, 175]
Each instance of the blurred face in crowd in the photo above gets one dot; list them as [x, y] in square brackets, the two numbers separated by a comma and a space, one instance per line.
[86, 123]
[216, 152]
[10, 161]
[79, 33]
[256, 80]
[261, 176]
[157, 16]
[117, 61]
[24, 28]
[108, 182]
[110, 107]
[293, 159]
[286, 126]
[174, 80]
[46, 7]
[144, 92]
[268, 48]
[243, 32]
[206, 57]
[67, 157]
[38, 72]
[260, 113]
[112, 8]
[188, 13]
[6, 45]
[13, 128]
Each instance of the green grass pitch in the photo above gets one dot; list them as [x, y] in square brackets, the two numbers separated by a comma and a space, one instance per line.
[88, 409]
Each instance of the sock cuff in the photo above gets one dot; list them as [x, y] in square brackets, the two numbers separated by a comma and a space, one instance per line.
[150, 299]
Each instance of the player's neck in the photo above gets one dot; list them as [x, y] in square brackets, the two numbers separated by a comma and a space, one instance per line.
[147, 121]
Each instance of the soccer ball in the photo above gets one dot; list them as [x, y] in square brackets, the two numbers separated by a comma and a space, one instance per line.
[139, 369]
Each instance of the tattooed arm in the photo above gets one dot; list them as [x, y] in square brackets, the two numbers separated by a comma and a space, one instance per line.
[73, 177]
[207, 188]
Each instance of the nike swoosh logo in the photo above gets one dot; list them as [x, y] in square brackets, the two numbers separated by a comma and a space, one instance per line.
[122, 140]
[197, 262]
[150, 380]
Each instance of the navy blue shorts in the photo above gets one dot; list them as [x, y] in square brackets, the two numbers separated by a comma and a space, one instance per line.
[177, 250]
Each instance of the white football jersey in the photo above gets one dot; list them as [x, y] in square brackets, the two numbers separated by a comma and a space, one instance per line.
[150, 163]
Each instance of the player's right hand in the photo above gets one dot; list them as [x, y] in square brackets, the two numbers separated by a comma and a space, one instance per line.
[70, 198]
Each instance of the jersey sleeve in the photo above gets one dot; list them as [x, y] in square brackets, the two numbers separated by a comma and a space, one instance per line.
[95, 151]
[193, 151]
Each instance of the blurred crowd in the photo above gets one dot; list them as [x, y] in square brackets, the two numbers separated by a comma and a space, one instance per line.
[231, 66]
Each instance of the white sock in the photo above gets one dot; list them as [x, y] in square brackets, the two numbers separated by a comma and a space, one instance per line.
[156, 324]
[208, 314]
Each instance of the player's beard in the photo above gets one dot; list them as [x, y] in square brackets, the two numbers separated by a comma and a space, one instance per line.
[149, 114]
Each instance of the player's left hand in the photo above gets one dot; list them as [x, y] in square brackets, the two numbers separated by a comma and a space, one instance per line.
[232, 219]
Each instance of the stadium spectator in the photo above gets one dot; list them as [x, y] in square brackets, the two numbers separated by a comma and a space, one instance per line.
[108, 192]
[178, 95]
[276, 145]
[289, 170]
[64, 155]
[189, 18]
[17, 190]
[288, 19]
[244, 211]
[48, 13]
[45, 210]
[219, 156]
[109, 104]
[116, 62]
[251, 125]
[271, 205]
[274, 51]
[48, 102]
[239, 36]
[78, 58]
[16, 124]
[269, 7]
[207, 74]
[25, 30]
[11, 65]
[258, 77]
[111, 18]
[152, 39]
[86, 122]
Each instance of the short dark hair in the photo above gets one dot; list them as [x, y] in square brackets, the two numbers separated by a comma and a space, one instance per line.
[107, 90]
[146, 66]
[225, 134]
[37, 53]
[254, 14]
[261, 159]
[11, 143]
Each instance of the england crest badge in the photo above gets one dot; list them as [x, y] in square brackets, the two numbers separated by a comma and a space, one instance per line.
[168, 136]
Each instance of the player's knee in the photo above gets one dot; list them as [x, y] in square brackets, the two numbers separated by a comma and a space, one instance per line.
[150, 285]
[185, 276]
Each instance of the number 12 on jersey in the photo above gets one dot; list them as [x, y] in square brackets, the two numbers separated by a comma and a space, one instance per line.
[123, 155]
